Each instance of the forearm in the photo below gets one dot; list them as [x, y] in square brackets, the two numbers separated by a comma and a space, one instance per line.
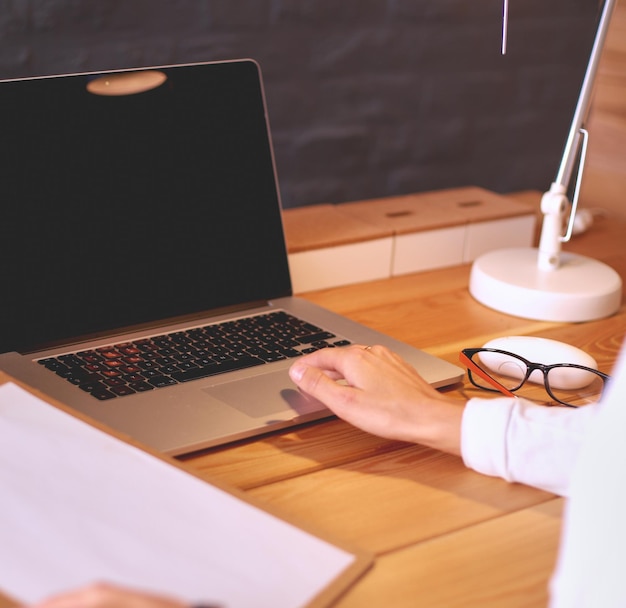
[439, 424]
[523, 442]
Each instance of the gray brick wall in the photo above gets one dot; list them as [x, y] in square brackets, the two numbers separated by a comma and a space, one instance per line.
[367, 98]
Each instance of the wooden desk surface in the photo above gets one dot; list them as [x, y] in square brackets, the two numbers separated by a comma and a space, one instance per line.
[443, 535]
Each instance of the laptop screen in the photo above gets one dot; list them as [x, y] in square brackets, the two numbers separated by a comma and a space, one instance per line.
[124, 206]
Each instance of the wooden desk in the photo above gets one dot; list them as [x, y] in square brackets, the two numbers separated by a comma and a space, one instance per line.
[443, 535]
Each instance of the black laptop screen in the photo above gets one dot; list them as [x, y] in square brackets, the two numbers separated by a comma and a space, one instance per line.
[119, 210]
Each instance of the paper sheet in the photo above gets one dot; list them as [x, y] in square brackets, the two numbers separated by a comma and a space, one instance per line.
[78, 505]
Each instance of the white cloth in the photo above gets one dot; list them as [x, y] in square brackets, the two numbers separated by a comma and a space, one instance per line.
[521, 441]
[592, 560]
[578, 453]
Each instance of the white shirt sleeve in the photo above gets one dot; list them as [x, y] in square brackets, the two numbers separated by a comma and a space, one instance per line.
[590, 570]
[521, 441]
[579, 453]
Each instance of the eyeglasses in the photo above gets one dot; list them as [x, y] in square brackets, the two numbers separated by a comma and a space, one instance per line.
[500, 371]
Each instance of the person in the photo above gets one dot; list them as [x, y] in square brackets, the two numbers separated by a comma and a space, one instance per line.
[104, 595]
[577, 453]
[506, 437]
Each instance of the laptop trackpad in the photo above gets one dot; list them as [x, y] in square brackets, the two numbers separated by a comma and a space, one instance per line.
[264, 395]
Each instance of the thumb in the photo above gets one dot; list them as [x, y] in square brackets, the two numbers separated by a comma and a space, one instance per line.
[313, 381]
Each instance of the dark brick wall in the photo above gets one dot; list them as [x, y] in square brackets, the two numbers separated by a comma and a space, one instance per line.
[367, 98]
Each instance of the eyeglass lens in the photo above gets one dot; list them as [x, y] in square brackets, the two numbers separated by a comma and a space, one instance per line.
[565, 383]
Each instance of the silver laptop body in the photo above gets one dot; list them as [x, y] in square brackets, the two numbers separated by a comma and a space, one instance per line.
[140, 204]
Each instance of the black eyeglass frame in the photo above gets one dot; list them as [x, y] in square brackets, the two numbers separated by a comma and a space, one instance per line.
[466, 355]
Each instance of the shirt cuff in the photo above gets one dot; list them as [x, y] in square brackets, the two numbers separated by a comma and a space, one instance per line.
[483, 435]
[522, 441]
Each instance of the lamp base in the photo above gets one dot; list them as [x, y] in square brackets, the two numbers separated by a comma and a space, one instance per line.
[581, 289]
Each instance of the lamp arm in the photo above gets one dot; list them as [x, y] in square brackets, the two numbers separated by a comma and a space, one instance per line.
[554, 202]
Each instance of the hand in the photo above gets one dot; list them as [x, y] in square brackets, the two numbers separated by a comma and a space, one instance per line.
[381, 394]
[109, 596]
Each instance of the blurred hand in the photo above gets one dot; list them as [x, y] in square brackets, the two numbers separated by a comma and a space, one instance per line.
[381, 394]
[109, 596]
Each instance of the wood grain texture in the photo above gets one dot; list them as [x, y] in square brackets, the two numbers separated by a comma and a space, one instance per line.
[397, 499]
[445, 536]
[502, 563]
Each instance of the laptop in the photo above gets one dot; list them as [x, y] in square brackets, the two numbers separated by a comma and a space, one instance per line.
[141, 225]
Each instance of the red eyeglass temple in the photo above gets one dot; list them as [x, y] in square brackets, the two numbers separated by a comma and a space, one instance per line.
[486, 377]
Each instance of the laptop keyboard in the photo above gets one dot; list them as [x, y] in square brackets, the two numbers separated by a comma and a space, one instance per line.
[150, 363]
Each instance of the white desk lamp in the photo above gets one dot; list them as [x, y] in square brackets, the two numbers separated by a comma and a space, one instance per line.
[545, 283]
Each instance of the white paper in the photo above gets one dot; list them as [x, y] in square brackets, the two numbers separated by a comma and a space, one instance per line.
[78, 505]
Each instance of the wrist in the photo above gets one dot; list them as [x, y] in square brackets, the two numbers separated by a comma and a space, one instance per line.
[440, 427]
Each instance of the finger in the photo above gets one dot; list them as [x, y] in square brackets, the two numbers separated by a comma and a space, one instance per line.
[331, 358]
[93, 594]
[337, 363]
[356, 364]
[71, 599]
[397, 363]
[316, 383]
[328, 360]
